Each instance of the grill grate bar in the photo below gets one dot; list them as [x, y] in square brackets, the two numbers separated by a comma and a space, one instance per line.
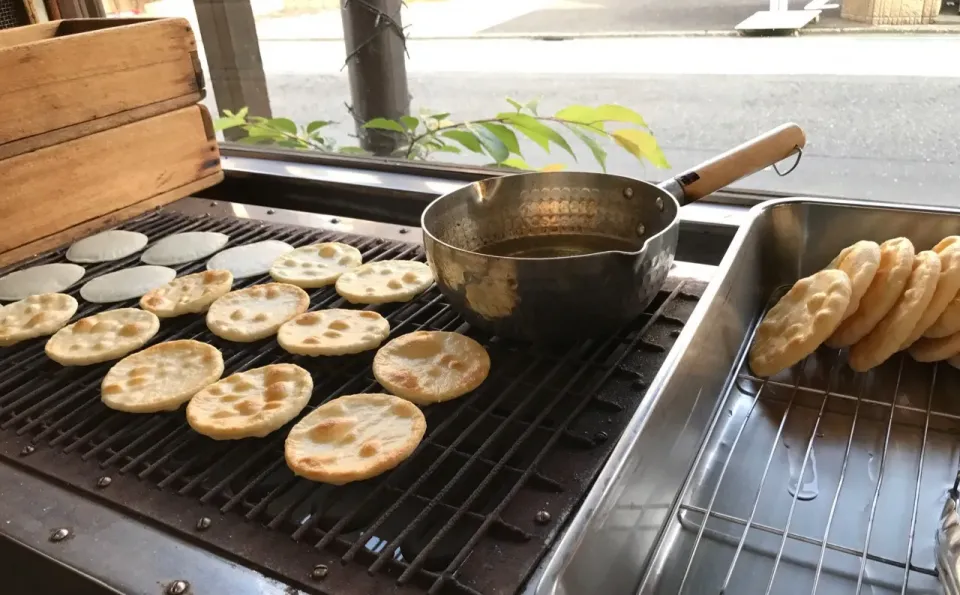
[157, 423]
[133, 428]
[153, 447]
[180, 444]
[453, 568]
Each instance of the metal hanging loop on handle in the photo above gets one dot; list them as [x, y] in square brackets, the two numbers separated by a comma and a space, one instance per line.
[796, 162]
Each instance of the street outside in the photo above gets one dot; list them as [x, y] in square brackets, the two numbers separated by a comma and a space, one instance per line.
[878, 109]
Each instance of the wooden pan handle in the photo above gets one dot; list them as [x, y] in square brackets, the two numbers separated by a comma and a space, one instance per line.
[749, 158]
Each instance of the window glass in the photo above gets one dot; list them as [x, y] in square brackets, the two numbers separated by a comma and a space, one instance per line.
[644, 88]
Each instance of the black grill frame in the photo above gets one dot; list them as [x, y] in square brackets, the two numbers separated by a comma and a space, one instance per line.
[530, 447]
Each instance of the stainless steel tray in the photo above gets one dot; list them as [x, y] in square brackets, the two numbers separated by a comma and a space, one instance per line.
[817, 480]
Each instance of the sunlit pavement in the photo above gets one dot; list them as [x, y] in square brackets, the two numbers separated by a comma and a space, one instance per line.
[880, 112]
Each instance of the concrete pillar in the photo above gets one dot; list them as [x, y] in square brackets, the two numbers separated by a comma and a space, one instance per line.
[890, 12]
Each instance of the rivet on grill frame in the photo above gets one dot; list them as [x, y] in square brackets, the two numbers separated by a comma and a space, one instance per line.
[319, 571]
[675, 333]
[28, 450]
[404, 230]
[204, 523]
[104, 481]
[334, 220]
[600, 437]
[628, 193]
[659, 203]
[177, 588]
[641, 229]
[213, 203]
[60, 534]
[542, 517]
[271, 211]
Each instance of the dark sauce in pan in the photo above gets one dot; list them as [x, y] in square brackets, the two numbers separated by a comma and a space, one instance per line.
[551, 246]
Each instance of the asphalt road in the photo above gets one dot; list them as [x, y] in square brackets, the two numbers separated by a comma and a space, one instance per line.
[890, 137]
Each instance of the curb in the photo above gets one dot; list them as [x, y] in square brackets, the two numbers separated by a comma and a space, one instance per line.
[548, 36]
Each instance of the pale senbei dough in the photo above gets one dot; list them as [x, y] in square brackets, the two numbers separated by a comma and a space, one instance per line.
[102, 337]
[316, 265]
[249, 260]
[161, 377]
[354, 437]
[190, 294]
[251, 403]
[35, 316]
[107, 245]
[385, 281]
[45, 278]
[126, 284]
[333, 332]
[184, 247]
[256, 312]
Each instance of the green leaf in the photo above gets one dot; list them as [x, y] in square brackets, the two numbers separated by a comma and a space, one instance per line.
[516, 163]
[243, 112]
[439, 117]
[263, 131]
[494, 146]
[384, 124]
[292, 144]
[537, 131]
[317, 125]
[554, 167]
[618, 113]
[515, 104]
[409, 122]
[352, 151]
[283, 124]
[448, 149]
[598, 153]
[641, 145]
[506, 136]
[228, 122]
[467, 139]
[256, 140]
[532, 105]
[581, 114]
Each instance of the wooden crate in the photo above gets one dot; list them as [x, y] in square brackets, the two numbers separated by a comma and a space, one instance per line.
[67, 79]
[63, 191]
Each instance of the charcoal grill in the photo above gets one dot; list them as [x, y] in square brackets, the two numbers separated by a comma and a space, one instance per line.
[474, 510]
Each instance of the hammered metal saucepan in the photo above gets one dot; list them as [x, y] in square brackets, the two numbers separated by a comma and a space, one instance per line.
[560, 256]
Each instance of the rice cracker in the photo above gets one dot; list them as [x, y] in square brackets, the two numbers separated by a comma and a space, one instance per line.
[893, 329]
[316, 265]
[35, 316]
[190, 294]
[948, 284]
[860, 262]
[385, 281]
[251, 403]
[354, 437]
[431, 366]
[797, 324]
[102, 337]
[896, 264]
[256, 312]
[333, 332]
[161, 377]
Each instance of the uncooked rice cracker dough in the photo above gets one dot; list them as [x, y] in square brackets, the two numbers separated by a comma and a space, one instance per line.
[252, 403]
[102, 337]
[161, 377]
[125, 284]
[860, 262]
[385, 281]
[333, 332]
[184, 247]
[896, 263]
[316, 265]
[252, 259]
[35, 316]
[107, 245]
[45, 278]
[800, 321]
[354, 437]
[256, 312]
[187, 295]
[948, 285]
[431, 366]
[890, 333]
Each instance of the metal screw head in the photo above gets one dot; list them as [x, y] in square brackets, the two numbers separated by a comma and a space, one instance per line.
[60, 534]
[404, 230]
[104, 481]
[542, 517]
[177, 588]
[319, 571]
[334, 221]
[204, 523]
[600, 437]
[213, 203]
[640, 229]
[27, 450]
[659, 203]
[628, 193]
[271, 211]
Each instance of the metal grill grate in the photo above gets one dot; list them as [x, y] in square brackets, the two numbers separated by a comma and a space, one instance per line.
[823, 480]
[13, 14]
[495, 477]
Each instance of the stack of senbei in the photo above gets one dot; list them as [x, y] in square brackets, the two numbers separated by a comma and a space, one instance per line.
[875, 300]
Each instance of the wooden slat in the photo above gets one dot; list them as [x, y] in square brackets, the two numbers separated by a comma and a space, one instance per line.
[66, 80]
[57, 187]
[103, 221]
